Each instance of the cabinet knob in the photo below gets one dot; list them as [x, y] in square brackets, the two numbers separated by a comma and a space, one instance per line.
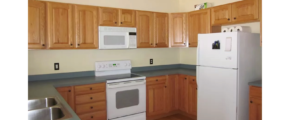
[43, 44]
[235, 18]
[121, 22]
[78, 44]
[91, 88]
[192, 79]
[196, 88]
[92, 116]
[165, 86]
[155, 43]
[188, 43]
[69, 90]
[251, 101]
[184, 43]
[91, 98]
[151, 44]
[115, 22]
[156, 79]
[228, 19]
[184, 78]
[92, 107]
[71, 44]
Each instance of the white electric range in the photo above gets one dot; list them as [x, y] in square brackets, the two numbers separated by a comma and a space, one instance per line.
[126, 92]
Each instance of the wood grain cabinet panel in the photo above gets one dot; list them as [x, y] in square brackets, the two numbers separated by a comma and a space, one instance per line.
[36, 25]
[156, 80]
[87, 98]
[255, 103]
[198, 22]
[60, 26]
[192, 95]
[260, 17]
[161, 29]
[68, 95]
[91, 107]
[178, 29]
[86, 26]
[108, 16]
[221, 14]
[99, 115]
[183, 93]
[127, 18]
[90, 88]
[155, 99]
[171, 95]
[145, 28]
[245, 11]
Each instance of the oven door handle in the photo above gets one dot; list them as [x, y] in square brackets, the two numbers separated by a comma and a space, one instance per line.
[124, 84]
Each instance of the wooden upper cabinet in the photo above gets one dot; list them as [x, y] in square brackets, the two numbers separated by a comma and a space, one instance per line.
[59, 26]
[178, 29]
[192, 95]
[221, 14]
[171, 95]
[86, 26]
[244, 11]
[127, 18]
[145, 29]
[68, 95]
[161, 29]
[36, 25]
[155, 99]
[198, 22]
[260, 17]
[108, 16]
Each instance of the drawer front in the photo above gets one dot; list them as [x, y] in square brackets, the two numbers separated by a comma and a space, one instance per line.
[91, 88]
[156, 80]
[255, 91]
[99, 115]
[91, 107]
[87, 98]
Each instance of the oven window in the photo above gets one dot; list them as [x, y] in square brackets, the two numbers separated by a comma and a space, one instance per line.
[114, 40]
[127, 98]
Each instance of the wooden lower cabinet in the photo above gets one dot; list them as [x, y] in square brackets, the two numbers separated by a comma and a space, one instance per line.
[88, 101]
[183, 93]
[255, 107]
[192, 95]
[171, 93]
[155, 97]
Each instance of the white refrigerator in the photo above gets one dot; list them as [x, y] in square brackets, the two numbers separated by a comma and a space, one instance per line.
[226, 62]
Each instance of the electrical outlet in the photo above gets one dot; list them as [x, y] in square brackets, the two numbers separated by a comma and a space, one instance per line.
[56, 66]
[151, 61]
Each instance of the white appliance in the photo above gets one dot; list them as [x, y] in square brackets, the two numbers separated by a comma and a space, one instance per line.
[126, 92]
[226, 62]
[117, 37]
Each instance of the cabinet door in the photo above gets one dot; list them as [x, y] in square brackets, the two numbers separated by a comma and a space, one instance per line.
[36, 25]
[161, 29]
[221, 14]
[127, 18]
[60, 29]
[260, 17]
[108, 16]
[183, 93]
[145, 28]
[155, 99]
[245, 11]
[192, 95]
[68, 95]
[198, 22]
[86, 26]
[171, 95]
[178, 29]
[255, 112]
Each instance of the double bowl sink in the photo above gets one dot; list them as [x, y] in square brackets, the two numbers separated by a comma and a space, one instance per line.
[47, 109]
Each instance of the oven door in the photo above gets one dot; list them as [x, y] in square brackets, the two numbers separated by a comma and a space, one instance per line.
[126, 98]
[113, 40]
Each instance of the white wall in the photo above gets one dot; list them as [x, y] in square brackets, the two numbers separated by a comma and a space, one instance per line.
[150, 5]
[42, 61]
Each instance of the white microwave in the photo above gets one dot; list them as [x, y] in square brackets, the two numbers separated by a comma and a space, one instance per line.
[117, 37]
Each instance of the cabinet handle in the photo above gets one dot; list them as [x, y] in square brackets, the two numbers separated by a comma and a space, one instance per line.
[235, 18]
[69, 90]
[43, 44]
[156, 79]
[251, 101]
[188, 43]
[115, 22]
[151, 44]
[121, 22]
[92, 116]
[155, 43]
[92, 107]
[184, 78]
[196, 88]
[91, 88]
[71, 44]
[78, 44]
[91, 98]
[228, 19]
[165, 86]
[192, 79]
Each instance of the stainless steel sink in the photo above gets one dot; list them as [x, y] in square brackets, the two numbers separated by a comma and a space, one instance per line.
[50, 113]
[47, 109]
[41, 103]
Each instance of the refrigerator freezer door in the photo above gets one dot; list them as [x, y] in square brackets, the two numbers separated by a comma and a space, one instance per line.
[217, 93]
[217, 50]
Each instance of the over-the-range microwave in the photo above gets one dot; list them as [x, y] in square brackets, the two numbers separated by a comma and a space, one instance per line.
[117, 37]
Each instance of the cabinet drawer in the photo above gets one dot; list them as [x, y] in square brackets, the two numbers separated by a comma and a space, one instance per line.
[156, 80]
[86, 98]
[91, 107]
[255, 91]
[192, 79]
[100, 115]
[91, 88]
